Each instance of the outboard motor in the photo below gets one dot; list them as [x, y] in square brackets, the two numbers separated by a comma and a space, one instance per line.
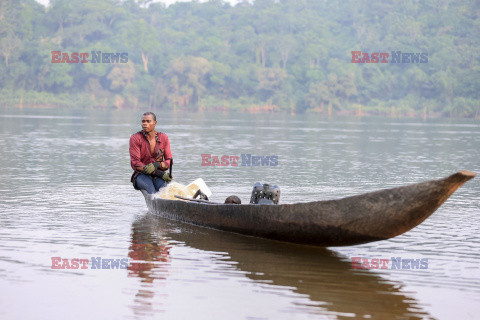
[265, 194]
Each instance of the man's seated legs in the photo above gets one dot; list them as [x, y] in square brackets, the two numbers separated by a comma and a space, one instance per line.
[149, 183]
[145, 182]
[159, 183]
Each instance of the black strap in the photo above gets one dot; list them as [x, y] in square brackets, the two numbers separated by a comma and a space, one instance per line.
[170, 170]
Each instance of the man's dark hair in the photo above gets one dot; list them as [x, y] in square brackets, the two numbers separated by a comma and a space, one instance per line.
[150, 114]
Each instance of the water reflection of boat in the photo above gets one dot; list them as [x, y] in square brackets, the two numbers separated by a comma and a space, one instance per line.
[353, 220]
[327, 279]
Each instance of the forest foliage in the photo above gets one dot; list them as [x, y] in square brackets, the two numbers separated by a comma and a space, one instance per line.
[287, 55]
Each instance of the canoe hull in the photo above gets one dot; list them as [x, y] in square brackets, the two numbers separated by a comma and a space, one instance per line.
[353, 220]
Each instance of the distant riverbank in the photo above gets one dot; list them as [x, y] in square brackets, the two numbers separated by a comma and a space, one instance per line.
[41, 100]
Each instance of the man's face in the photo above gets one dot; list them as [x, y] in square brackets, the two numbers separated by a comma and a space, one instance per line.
[148, 124]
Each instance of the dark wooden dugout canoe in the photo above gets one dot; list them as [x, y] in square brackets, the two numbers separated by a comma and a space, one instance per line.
[353, 220]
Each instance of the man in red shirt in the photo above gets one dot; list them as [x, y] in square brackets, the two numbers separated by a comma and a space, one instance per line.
[150, 156]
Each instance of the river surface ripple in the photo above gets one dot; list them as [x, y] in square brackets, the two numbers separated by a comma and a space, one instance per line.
[65, 192]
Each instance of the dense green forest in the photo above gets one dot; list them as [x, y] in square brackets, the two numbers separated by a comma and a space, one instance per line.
[287, 55]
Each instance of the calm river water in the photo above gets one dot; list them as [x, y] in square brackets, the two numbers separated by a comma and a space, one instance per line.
[65, 192]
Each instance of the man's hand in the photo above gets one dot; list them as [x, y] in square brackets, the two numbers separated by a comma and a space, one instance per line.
[151, 167]
[163, 166]
[164, 175]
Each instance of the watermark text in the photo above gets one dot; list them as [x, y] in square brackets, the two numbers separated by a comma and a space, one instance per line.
[92, 263]
[97, 57]
[394, 56]
[244, 160]
[394, 263]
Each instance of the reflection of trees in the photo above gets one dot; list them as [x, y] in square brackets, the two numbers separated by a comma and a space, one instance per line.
[149, 260]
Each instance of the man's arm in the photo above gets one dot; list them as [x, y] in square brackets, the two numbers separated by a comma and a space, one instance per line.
[134, 150]
[168, 152]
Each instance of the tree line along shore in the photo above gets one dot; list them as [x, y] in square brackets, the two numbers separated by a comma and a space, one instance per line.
[293, 56]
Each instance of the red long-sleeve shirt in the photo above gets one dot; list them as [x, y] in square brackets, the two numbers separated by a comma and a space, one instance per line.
[140, 154]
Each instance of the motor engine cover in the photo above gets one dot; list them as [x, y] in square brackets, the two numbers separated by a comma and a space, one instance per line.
[265, 194]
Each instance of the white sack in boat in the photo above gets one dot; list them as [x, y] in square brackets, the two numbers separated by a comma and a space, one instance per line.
[175, 188]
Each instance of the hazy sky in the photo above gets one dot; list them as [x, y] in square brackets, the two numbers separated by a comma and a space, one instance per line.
[167, 2]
